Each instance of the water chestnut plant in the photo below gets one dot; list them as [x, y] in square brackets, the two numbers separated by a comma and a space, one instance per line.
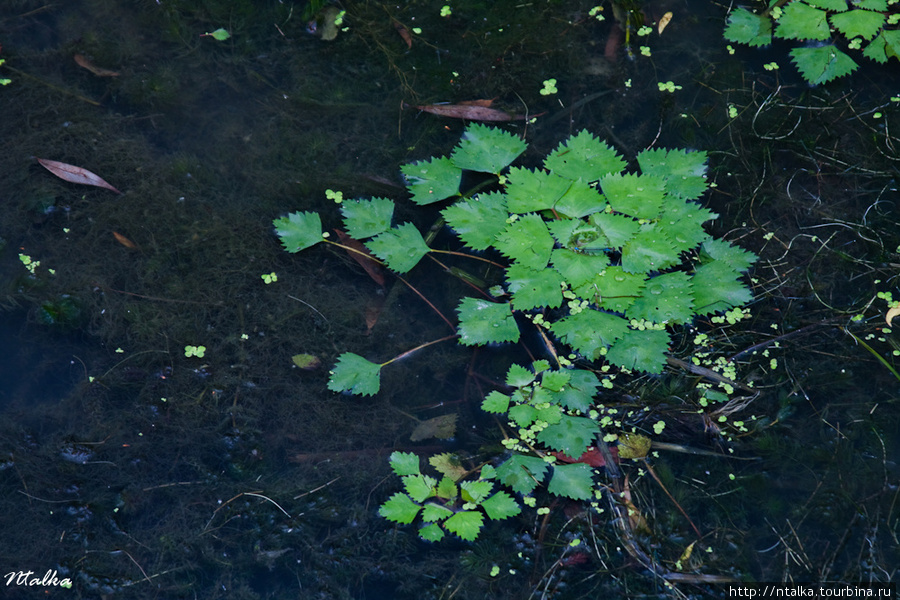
[604, 262]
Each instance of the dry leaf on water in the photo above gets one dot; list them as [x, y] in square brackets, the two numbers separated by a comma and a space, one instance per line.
[375, 270]
[74, 174]
[124, 241]
[98, 71]
[442, 428]
[663, 22]
[471, 112]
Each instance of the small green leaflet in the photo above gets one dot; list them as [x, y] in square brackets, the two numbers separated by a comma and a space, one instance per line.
[487, 149]
[431, 533]
[649, 250]
[571, 435]
[519, 376]
[466, 524]
[619, 289]
[886, 45]
[667, 298]
[858, 23]
[299, 230]
[522, 473]
[716, 287]
[533, 289]
[531, 191]
[573, 481]
[590, 330]
[527, 241]
[684, 172]
[478, 220]
[219, 35]
[638, 196]
[419, 487]
[475, 491]
[356, 375]
[482, 322]
[641, 350]
[435, 512]
[501, 506]
[579, 201]
[365, 218]
[584, 157]
[401, 247]
[822, 64]
[400, 509]
[447, 487]
[745, 27]
[495, 402]
[578, 394]
[432, 180]
[800, 21]
[736, 257]
[576, 268]
[404, 463]
[618, 229]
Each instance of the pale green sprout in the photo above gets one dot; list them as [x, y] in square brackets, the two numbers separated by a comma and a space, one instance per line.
[338, 197]
[417, 30]
[549, 87]
[645, 50]
[197, 351]
[219, 34]
[495, 570]
[772, 66]
[269, 277]
[119, 351]
[644, 30]
[595, 12]
[730, 49]
[30, 264]
[668, 86]
[658, 427]
[446, 10]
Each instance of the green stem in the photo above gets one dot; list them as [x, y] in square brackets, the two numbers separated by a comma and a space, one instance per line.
[419, 347]
[874, 353]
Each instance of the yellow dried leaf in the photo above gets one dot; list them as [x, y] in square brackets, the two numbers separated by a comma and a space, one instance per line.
[893, 312]
[663, 22]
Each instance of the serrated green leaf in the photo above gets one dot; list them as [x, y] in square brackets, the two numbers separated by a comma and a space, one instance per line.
[858, 23]
[431, 533]
[618, 229]
[487, 149]
[682, 223]
[533, 289]
[649, 250]
[482, 322]
[885, 45]
[871, 4]
[404, 463]
[734, 256]
[576, 235]
[527, 241]
[618, 288]
[365, 218]
[522, 473]
[555, 380]
[299, 230]
[519, 376]
[684, 172]
[641, 350]
[478, 220]
[475, 491]
[571, 435]
[667, 298]
[800, 21]
[532, 191]
[838, 5]
[579, 201]
[432, 512]
[573, 481]
[589, 330]
[495, 402]
[447, 488]
[356, 375]
[583, 156]
[501, 506]
[399, 508]
[523, 415]
[577, 268]
[401, 248]
[638, 196]
[419, 487]
[578, 394]
[432, 180]
[466, 524]
[822, 64]
[447, 464]
[745, 27]
[717, 287]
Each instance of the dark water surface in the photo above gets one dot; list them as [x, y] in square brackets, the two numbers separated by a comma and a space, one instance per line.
[139, 472]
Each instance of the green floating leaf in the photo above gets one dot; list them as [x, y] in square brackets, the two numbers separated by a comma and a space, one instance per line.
[641, 350]
[401, 247]
[619, 289]
[356, 375]
[584, 157]
[618, 229]
[578, 394]
[571, 435]
[800, 21]
[858, 23]
[555, 381]
[475, 491]
[682, 223]
[435, 512]
[365, 218]
[837, 5]
[822, 64]
[522, 473]
[667, 298]
[431, 533]
[519, 376]
[399, 508]
[527, 241]
[736, 257]
[717, 288]
[495, 402]
[404, 463]
[533, 289]
[299, 230]
[447, 464]
[501, 506]
[589, 331]
[573, 481]
[478, 220]
[639, 196]
[745, 27]
[466, 524]
[532, 191]
[684, 172]
[482, 322]
[649, 250]
[447, 487]
[871, 4]
[577, 268]
[885, 45]
[579, 201]
[419, 487]
[487, 149]
[432, 180]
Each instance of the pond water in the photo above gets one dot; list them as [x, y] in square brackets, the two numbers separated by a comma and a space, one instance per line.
[139, 469]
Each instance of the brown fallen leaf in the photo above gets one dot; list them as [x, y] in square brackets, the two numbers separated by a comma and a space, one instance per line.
[124, 241]
[404, 33]
[98, 71]
[375, 270]
[74, 174]
[442, 428]
[663, 21]
[468, 111]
